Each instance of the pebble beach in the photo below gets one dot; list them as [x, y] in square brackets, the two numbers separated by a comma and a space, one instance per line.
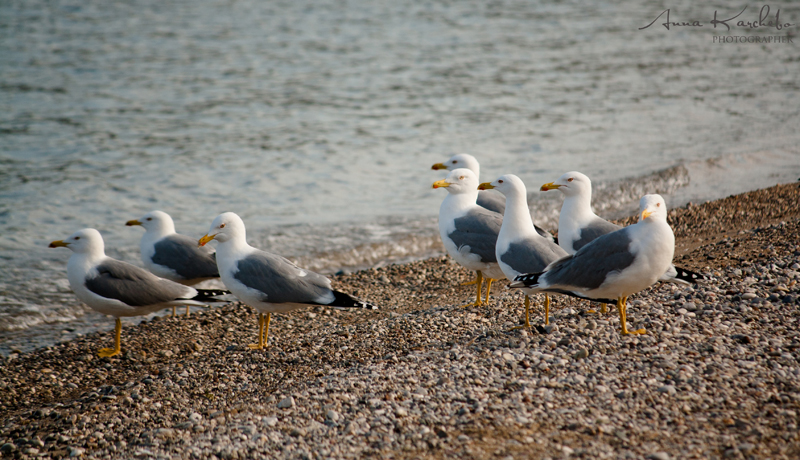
[716, 375]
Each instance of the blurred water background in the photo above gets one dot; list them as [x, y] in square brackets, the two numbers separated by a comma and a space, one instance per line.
[318, 122]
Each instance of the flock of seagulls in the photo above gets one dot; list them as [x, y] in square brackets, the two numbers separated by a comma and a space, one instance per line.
[593, 259]
[485, 227]
[267, 282]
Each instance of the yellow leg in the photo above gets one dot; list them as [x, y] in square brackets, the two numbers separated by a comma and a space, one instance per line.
[187, 310]
[266, 330]
[622, 306]
[547, 309]
[173, 311]
[479, 283]
[488, 288]
[527, 315]
[109, 352]
[603, 309]
[260, 344]
[469, 283]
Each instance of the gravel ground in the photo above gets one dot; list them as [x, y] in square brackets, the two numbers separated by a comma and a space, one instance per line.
[716, 376]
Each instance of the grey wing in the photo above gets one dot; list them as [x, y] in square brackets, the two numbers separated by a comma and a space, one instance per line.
[478, 229]
[531, 256]
[281, 281]
[132, 285]
[492, 200]
[594, 230]
[181, 253]
[590, 266]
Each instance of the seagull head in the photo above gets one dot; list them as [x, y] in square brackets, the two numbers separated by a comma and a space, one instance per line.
[154, 221]
[225, 227]
[459, 181]
[461, 160]
[506, 184]
[83, 241]
[652, 207]
[572, 183]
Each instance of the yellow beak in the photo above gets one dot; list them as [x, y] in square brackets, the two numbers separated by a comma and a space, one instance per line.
[549, 186]
[205, 239]
[439, 166]
[646, 214]
[58, 244]
[441, 183]
[133, 222]
[485, 186]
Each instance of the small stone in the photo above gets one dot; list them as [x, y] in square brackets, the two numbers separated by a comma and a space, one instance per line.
[195, 417]
[550, 328]
[286, 403]
[658, 456]
[165, 433]
[401, 412]
[746, 448]
[76, 451]
[298, 432]
[748, 296]
[8, 448]
[668, 389]
[581, 354]
[270, 421]
[332, 415]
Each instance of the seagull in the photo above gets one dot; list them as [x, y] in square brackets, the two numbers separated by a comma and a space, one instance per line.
[488, 199]
[520, 249]
[119, 289]
[615, 265]
[469, 232]
[171, 255]
[268, 282]
[578, 224]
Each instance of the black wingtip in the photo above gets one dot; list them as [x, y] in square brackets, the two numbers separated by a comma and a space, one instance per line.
[209, 295]
[689, 276]
[342, 301]
[526, 280]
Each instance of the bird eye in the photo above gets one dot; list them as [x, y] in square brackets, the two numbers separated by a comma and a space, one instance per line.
[570, 179]
[455, 161]
[221, 225]
[461, 178]
[77, 238]
[500, 181]
[149, 218]
[658, 205]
